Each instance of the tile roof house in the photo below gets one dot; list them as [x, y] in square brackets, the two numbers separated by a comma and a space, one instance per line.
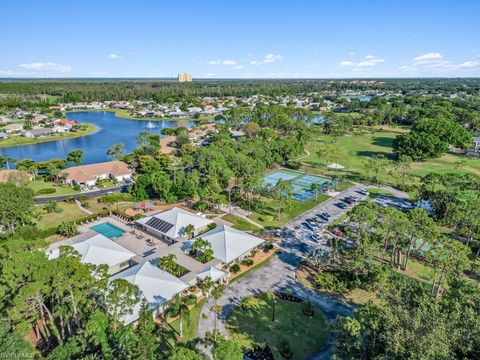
[171, 224]
[14, 176]
[89, 174]
[156, 286]
[12, 128]
[96, 249]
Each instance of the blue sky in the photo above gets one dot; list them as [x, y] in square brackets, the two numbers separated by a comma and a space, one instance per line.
[240, 38]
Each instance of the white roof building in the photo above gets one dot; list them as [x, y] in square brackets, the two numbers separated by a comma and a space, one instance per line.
[211, 272]
[229, 244]
[156, 286]
[96, 250]
[172, 223]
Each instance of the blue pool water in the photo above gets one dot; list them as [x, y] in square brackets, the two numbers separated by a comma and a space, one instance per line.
[108, 230]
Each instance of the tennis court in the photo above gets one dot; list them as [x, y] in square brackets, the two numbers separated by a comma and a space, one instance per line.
[301, 182]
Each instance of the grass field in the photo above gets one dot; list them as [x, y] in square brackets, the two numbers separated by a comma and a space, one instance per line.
[22, 140]
[239, 223]
[267, 216]
[52, 220]
[61, 189]
[356, 149]
[306, 335]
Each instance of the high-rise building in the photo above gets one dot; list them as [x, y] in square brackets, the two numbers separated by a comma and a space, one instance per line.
[184, 77]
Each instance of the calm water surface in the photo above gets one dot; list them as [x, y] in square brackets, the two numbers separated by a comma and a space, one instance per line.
[112, 130]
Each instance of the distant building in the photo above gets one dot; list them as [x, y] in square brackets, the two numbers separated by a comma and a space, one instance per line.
[184, 77]
[89, 174]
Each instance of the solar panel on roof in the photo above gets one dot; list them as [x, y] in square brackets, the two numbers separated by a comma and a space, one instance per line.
[159, 224]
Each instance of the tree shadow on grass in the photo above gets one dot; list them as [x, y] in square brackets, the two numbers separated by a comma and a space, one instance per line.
[383, 141]
[370, 154]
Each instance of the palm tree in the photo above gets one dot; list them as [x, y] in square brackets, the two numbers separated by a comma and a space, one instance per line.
[189, 230]
[206, 286]
[179, 307]
[217, 294]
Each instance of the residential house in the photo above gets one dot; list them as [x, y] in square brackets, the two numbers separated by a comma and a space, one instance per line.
[476, 144]
[12, 128]
[96, 249]
[37, 133]
[5, 120]
[89, 174]
[170, 225]
[156, 286]
[38, 118]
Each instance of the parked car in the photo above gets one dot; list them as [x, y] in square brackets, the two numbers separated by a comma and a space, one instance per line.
[311, 225]
[316, 237]
[362, 191]
[325, 216]
[341, 205]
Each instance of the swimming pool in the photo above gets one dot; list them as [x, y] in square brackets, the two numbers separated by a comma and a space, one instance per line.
[108, 230]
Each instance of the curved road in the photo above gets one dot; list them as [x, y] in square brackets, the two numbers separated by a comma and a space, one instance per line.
[278, 274]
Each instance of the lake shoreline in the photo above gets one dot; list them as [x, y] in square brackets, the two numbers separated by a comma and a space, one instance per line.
[126, 115]
[91, 129]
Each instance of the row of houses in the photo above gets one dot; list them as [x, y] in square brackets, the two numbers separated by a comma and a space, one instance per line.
[54, 127]
[127, 257]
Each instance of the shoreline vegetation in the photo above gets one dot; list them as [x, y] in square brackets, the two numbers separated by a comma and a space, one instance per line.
[22, 140]
[125, 114]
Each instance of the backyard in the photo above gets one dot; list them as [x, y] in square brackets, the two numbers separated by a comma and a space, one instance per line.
[354, 150]
[252, 325]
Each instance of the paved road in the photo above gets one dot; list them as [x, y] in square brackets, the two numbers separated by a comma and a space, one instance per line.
[87, 194]
[279, 274]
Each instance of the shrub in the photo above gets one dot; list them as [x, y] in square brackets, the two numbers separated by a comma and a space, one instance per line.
[76, 187]
[85, 204]
[137, 216]
[286, 349]
[247, 262]
[266, 218]
[294, 165]
[330, 282]
[81, 198]
[51, 206]
[69, 199]
[67, 229]
[268, 246]
[113, 198]
[247, 303]
[46, 191]
[234, 268]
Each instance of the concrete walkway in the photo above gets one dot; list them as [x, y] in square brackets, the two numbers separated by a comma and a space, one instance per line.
[82, 208]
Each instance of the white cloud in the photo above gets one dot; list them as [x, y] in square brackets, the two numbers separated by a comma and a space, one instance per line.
[346, 63]
[267, 59]
[370, 60]
[50, 67]
[237, 67]
[433, 63]
[222, 62]
[114, 56]
[427, 58]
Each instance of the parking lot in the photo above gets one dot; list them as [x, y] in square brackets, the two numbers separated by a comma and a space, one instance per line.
[298, 237]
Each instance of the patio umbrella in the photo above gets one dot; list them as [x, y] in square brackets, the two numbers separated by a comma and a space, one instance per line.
[336, 166]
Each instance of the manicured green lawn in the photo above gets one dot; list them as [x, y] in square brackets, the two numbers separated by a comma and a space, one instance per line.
[306, 335]
[356, 149]
[190, 322]
[60, 189]
[52, 220]
[239, 223]
[294, 209]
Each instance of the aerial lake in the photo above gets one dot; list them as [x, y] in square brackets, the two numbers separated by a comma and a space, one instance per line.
[112, 129]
